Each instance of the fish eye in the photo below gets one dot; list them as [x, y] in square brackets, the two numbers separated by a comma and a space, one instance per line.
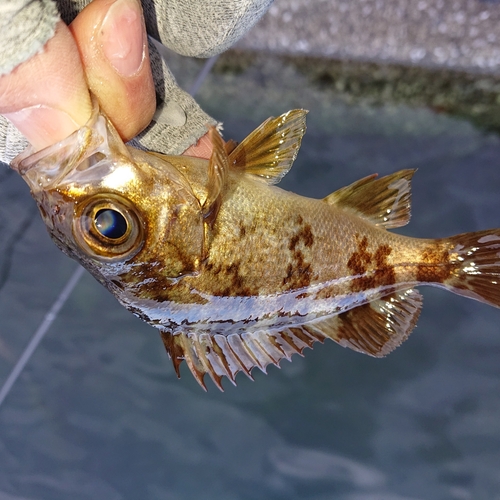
[108, 227]
[110, 223]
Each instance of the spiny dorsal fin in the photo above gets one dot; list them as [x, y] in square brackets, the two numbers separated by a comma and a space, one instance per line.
[375, 329]
[270, 150]
[385, 201]
[218, 167]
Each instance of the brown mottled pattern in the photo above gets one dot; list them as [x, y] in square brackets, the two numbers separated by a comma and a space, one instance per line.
[370, 268]
[229, 280]
[435, 265]
[243, 230]
[147, 281]
[266, 241]
[260, 252]
[299, 271]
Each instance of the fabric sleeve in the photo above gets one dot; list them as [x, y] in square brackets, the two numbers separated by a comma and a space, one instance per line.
[25, 27]
[183, 122]
[197, 28]
[201, 28]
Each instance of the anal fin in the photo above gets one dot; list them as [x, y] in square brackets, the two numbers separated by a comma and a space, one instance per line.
[375, 328]
[378, 327]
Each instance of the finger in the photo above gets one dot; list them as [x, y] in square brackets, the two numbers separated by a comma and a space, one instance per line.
[46, 97]
[113, 47]
[202, 149]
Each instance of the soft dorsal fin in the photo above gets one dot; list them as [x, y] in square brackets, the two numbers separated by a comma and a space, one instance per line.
[375, 328]
[270, 150]
[385, 201]
[218, 167]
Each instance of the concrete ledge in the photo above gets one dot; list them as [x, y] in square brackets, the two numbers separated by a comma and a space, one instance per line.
[453, 34]
[471, 96]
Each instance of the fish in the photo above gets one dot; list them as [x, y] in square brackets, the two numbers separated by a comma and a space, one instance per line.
[233, 271]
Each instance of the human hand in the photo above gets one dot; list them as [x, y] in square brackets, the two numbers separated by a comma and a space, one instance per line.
[196, 28]
[105, 49]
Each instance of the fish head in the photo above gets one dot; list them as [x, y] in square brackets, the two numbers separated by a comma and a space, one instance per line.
[119, 211]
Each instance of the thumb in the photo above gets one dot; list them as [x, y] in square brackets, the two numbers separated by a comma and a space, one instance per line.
[112, 41]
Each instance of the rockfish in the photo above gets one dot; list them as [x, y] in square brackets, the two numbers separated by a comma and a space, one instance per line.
[235, 272]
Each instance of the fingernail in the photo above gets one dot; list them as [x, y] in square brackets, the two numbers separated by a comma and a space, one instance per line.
[42, 125]
[122, 37]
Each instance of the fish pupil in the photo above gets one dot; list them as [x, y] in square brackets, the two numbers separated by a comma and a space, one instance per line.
[110, 223]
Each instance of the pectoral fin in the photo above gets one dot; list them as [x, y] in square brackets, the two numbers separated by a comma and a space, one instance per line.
[376, 329]
[218, 167]
[270, 150]
[385, 201]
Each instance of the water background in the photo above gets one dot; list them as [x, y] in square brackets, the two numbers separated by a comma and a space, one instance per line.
[99, 413]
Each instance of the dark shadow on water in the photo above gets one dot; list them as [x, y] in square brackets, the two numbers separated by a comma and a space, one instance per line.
[470, 96]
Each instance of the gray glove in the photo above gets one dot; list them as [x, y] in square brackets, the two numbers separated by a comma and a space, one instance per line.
[197, 28]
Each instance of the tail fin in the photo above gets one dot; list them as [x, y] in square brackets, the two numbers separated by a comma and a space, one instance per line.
[476, 259]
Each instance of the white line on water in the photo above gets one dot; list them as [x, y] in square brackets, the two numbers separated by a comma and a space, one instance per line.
[202, 75]
[72, 282]
[40, 333]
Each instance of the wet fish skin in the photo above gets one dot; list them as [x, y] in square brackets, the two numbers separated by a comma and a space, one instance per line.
[235, 272]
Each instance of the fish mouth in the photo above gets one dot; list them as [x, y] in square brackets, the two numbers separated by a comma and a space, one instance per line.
[45, 169]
